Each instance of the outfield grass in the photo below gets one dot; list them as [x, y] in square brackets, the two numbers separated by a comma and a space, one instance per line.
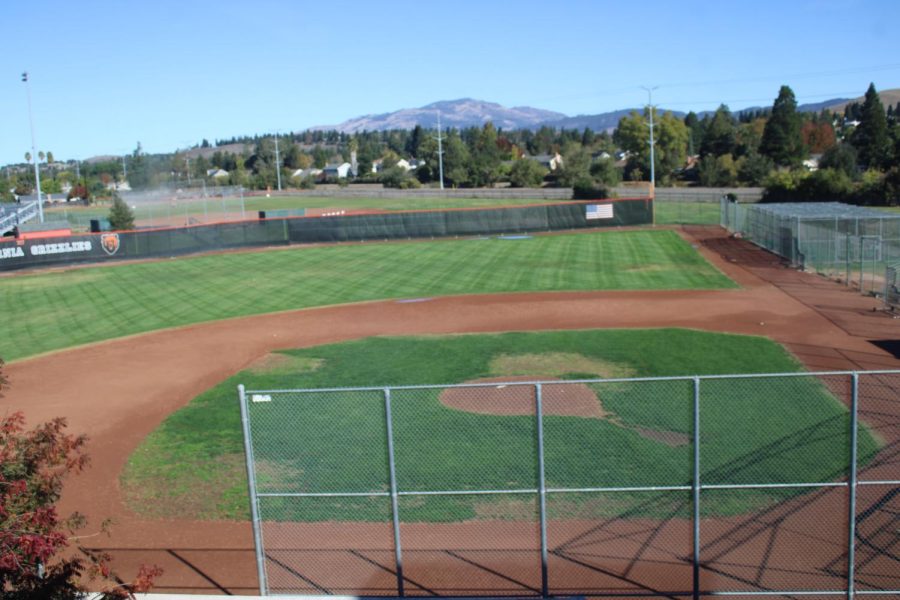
[667, 213]
[687, 213]
[754, 431]
[53, 310]
[214, 208]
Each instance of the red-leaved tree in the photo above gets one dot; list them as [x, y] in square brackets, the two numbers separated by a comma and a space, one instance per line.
[34, 562]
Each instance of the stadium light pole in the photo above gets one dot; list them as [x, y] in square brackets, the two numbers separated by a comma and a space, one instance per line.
[34, 157]
[277, 162]
[652, 153]
[440, 151]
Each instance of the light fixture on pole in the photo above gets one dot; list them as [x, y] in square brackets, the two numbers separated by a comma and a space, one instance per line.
[37, 169]
[650, 108]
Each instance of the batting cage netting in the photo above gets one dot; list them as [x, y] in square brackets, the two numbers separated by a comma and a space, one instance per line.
[850, 243]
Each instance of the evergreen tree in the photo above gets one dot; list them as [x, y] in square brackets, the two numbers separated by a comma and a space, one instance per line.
[120, 216]
[414, 143]
[138, 173]
[695, 132]
[719, 137]
[871, 137]
[782, 141]
[485, 164]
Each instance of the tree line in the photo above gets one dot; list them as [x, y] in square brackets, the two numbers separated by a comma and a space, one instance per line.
[854, 156]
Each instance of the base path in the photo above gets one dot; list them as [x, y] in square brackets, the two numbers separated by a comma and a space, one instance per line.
[119, 391]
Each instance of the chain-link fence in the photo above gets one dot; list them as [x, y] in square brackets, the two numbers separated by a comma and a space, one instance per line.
[850, 243]
[892, 286]
[682, 486]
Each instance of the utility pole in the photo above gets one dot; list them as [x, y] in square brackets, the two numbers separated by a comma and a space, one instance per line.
[277, 163]
[187, 161]
[124, 170]
[37, 169]
[650, 108]
[440, 151]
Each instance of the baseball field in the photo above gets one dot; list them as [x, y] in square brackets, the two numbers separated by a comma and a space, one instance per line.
[144, 357]
[53, 310]
[193, 464]
[215, 209]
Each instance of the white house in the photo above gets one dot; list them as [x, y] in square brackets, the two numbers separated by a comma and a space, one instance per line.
[337, 171]
[217, 173]
[304, 173]
[550, 161]
[812, 163]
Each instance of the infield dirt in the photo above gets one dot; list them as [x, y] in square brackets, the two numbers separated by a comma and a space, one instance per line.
[119, 391]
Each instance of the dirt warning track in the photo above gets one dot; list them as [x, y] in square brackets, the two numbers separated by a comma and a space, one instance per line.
[119, 391]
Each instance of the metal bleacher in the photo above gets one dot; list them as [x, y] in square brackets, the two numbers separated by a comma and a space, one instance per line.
[13, 215]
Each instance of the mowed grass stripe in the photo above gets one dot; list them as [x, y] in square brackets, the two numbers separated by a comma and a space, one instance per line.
[49, 311]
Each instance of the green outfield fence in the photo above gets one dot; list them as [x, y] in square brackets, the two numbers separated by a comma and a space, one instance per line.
[851, 243]
[264, 231]
[769, 485]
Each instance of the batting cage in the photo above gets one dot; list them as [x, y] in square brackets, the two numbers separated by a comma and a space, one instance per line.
[762, 485]
[266, 231]
[850, 243]
[892, 286]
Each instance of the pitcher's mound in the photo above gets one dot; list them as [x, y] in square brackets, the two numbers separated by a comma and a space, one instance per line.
[570, 399]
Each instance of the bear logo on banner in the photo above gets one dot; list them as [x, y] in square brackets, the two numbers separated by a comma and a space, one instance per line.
[110, 243]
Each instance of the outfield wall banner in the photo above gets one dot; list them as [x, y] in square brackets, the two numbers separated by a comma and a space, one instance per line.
[154, 243]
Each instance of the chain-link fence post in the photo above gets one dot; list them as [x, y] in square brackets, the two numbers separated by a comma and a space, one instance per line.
[695, 490]
[851, 485]
[395, 515]
[254, 499]
[542, 486]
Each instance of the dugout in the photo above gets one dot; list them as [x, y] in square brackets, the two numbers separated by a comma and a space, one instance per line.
[265, 231]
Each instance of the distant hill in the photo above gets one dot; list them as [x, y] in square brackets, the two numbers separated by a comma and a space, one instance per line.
[465, 112]
[468, 112]
[888, 98]
[601, 122]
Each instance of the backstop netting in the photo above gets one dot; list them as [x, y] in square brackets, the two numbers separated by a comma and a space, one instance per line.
[851, 243]
[764, 485]
[29, 253]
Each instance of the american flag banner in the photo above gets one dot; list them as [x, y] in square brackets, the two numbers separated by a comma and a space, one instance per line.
[598, 211]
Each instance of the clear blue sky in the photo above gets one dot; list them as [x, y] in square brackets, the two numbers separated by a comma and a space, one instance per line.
[106, 75]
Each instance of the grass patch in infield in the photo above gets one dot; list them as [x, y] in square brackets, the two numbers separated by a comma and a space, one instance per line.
[53, 310]
[753, 431]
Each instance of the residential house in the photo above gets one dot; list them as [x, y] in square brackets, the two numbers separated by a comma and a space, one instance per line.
[812, 163]
[549, 161]
[336, 170]
[217, 173]
[304, 173]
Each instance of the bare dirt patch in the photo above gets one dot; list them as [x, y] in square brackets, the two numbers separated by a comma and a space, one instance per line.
[153, 495]
[556, 364]
[275, 363]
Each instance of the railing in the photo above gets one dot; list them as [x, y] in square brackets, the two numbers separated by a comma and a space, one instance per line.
[22, 214]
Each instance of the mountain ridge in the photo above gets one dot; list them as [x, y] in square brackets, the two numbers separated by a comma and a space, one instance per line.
[468, 112]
